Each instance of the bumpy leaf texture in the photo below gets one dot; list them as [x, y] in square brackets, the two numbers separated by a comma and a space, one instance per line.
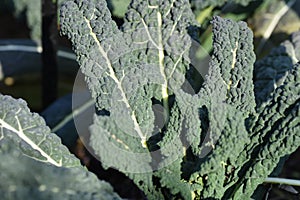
[225, 91]
[274, 134]
[198, 145]
[230, 90]
[34, 163]
[29, 132]
[271, 71]
[126, 68]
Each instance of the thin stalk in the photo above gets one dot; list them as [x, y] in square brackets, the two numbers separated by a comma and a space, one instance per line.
[284, 181]
[204, 14]
[73, 114]
[273, 23]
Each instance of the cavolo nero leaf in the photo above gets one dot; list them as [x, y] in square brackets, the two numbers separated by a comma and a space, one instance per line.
[210, 142]
[26, 178]
[233, 55]
[229, 80]
[34, 163]
[271, 71]
[126, 68]
[29, 132]
[274, 135]
[229, 90]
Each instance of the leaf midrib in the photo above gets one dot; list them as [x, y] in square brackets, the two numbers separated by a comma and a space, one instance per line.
[118, 83]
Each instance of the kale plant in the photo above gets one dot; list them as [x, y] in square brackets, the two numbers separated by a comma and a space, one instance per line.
[175, 142]
[175, 136]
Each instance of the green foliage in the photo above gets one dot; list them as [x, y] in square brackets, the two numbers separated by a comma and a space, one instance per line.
[31, 133]
[216, 143]
[34, 163]
[32, 11]
[33, 8]
[172, 140]
[273, 136]
[271, 71]
[200, 4]
[26, 178]
[140, 54]
[118, 7]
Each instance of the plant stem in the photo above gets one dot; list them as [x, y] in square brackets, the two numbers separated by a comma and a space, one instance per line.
[273, 23]
[73, 114]
[201, 17]
[282, 181]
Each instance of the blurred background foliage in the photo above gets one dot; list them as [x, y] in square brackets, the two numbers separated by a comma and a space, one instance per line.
[281, 15]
